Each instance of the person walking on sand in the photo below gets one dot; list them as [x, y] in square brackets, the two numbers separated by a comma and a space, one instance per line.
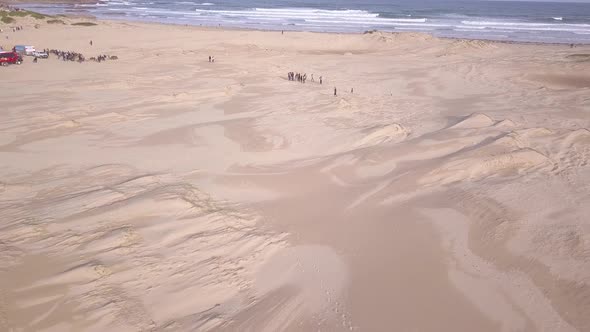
[212, 59]
[312, 78]
[320, 80]
[91, 43]
[335, 92]
[351, 90]
[209, 58]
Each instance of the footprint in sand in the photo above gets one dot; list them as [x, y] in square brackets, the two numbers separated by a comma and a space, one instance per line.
[102, 271]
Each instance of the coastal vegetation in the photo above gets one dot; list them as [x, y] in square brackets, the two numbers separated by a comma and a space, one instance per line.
[8, 17]
[84, 24]
[7, 20]
[56, 21]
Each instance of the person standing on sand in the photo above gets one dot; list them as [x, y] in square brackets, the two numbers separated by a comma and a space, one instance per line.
[212, 59]
[320, 80]
[209, 58]
[91, 43]
[351, 90]
[334, 91]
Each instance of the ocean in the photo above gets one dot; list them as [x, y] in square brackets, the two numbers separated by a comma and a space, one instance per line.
[546, 22]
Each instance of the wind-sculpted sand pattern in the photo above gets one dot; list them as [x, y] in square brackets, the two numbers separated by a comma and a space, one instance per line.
[163, 192]
[138, 242]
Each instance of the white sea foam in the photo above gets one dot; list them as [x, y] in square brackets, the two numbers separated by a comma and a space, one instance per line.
[524, 24]
[328, 18]
[384, 22]
[292, 13]
[527, 26]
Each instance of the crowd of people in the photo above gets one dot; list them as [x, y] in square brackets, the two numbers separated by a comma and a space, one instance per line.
[67, 55]
[78, 57]
[302, 78]
[104, 57]
[292, 76]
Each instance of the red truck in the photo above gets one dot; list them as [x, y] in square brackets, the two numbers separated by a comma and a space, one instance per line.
[10, 58]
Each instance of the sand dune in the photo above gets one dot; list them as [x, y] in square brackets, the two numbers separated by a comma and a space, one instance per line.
[389, 133]
[474, 121]
[148, 233]
[161, 192]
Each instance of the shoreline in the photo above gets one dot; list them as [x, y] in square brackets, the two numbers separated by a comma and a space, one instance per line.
[278, 30]
[368, 32]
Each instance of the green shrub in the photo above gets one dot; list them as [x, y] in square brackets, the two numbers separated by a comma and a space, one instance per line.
[55, 21]
[7, 20]
[84, 24]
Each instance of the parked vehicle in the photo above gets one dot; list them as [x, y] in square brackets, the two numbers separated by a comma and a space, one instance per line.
[42, 55]
[9, 58]
[24, 49]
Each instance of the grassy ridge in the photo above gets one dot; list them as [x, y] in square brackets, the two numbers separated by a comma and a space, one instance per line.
[8, 17]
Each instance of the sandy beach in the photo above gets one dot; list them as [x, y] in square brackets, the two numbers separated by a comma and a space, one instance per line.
[162, 192]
